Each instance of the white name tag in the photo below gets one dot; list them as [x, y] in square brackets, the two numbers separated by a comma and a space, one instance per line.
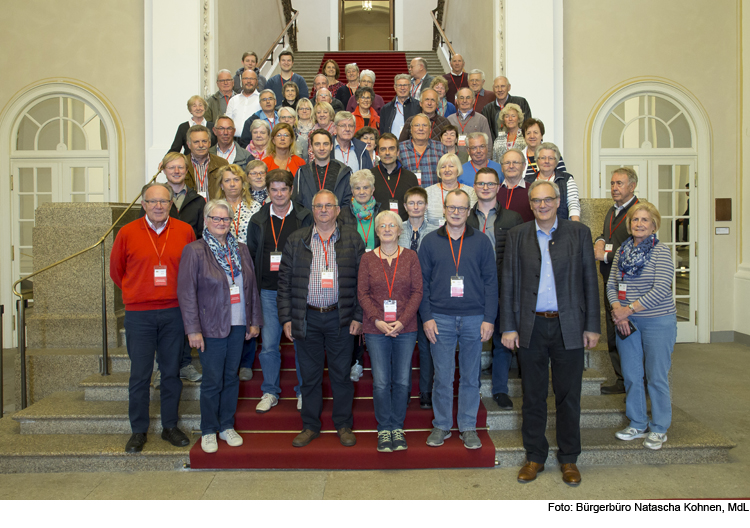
[394, 206]
[204, 194]
[275, 260]
[389, 309]
[622, 291]
[419, 177]
[234, 294]
[160, 275]
[326, 279]
[608, 248]
[457, 286]
[462, 140]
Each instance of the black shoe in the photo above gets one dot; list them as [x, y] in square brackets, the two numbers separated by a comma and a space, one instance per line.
[135, 444]
[175, 437]
[503, 401]
[425, 400]
[617, 388]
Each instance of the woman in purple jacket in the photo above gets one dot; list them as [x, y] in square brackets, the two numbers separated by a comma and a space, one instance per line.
[220, 307]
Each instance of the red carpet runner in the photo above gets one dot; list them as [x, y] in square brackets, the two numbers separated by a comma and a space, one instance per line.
[268, 437]
[385, 64]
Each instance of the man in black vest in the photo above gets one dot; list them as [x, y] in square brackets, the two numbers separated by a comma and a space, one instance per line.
[622, 185]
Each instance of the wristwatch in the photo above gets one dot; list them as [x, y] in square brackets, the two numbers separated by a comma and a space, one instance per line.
[631, 307]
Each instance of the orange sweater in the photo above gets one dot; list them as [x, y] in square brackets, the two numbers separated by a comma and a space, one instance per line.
[295, 162]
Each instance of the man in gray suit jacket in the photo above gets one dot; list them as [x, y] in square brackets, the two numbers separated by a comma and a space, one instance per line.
[549, 309]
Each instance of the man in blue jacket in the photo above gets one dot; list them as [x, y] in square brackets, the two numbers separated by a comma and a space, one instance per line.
[349, 151]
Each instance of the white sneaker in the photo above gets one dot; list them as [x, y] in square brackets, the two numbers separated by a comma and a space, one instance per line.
[209, 444]
[246, 374]
[157, 380]
[266, 402]
[356, 371]
[231, 437]
[299, 403]
[630, 433]
[190, 373]
[655, 440]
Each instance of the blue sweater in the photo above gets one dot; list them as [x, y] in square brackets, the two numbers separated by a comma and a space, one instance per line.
[477, 266]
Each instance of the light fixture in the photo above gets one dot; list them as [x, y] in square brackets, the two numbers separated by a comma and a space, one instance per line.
[367, 5]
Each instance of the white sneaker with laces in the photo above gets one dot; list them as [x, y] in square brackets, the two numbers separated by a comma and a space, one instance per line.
[231, 437]
[630, 433]
[655, 440]
[356, 371]
[209, 444]
[266, 402]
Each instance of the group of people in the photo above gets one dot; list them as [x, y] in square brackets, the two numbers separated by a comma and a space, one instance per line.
[294, 225]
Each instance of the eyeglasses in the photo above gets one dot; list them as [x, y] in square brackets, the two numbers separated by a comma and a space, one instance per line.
[283, 136]
[420, 125]
[344, 125]
[383, 226]
[456, 209]
[512, 163]
[224, 129]
[546, 158]
[415, 204]
[225, 80]
[266, 99]
[486, 185]
[478, 147]
[537, 201]
[403, 85]
[257, 174]
[163, 203]
[320, 207]
[220, 219]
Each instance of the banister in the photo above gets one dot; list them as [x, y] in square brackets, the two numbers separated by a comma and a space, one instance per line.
[443, 37]
[279, 39]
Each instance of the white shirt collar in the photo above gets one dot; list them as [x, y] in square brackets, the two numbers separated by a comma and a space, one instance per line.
[151, 225]
[291, 206]
[521, 184]
[620, 208]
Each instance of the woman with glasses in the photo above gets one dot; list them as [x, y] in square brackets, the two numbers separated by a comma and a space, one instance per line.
[281, 150]
[365, 114]
[196, 105]
[220, 307]
[260, 132]
[444, 108]
[509, 121]
[449, 169]
[256, 179]
[533, 136]
[547, 158]
[305, 123]
[233, 188]
[389, 289]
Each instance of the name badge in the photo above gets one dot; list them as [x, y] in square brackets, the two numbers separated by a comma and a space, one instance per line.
[622, 292]
[457, 286]
[389, 309]
[234, 294]
[326, 279]
[608, 248]
[367, 250]
[204, 194]
[275, 260]
[462, 140]
[419, 177]
[160, 275]
[394, 206]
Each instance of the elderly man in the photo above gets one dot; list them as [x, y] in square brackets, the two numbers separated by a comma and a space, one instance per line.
[266, 113]
[392, 180]
[366, 80]
[319, 310]
[217, 102]
[549, 310]
[459, 306]
[203, 169]
[351, 152]
[322, 173]
[501, 87]
[513, 193]
[247, 102]
[420, 154]
[457, 78]
[401, 108]
[428, 100]
[226, 147]
[276, 83]
[477, 145]
[144, 264]
[249, 63]
[622, 188]
[419, 79]
[467, 120]
[483, 97]
[323, 94]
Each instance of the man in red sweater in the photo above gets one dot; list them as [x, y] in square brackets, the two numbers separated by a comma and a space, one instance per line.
[144, 263]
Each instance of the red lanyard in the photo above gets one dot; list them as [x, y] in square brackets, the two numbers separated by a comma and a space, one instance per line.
[273, 229]
[272, 122]
[201, 177]
[366, 235]
[158, 253]
[460, 84]
[325, 251]
[460, 248]
[321, 185]
[231, 269]
[420, 157]
[510, 197]
[486, 217]
[348, 152]
[230, 151]
[476, 100]
[467, 122]
[237, 221]
[399, 109]
[618, 223]
[395, 270]
[393, 192]
[226, 99]
[510, 145]
[532, 164]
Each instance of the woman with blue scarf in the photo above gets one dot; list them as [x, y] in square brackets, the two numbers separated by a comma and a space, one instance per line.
[221, 308]
[643, 310]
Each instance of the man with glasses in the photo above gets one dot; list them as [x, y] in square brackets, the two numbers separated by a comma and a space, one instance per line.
[226, 147]
[428, 100]
[468, 121]
[348, 150]
[483, 97]
[513, 193]
[204, 167]
[245, 103]
[478, 146]
[501, 89]
[144, 264]
[266, 113]
[549, 310]
[276, 83]
[420, 154]
[494, 220]
[459, 306]
[217, 102]
[322, 173]
[420, 81]
[319, 311]
[391, 178]
[402, 107]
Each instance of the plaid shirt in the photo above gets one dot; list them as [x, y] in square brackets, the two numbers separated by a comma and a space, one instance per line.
[316, 295]
[427, 165]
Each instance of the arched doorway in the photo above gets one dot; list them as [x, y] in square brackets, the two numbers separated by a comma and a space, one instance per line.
[662, 134]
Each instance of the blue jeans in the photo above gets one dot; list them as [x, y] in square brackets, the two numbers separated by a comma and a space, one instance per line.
[220, 387]
[391, 372]
[248, 353]
[270, 354]
[653, 341]
[466, 331]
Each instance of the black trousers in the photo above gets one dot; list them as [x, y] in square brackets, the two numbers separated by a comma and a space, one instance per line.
[546, 346]
[614, 354]
[325, 338]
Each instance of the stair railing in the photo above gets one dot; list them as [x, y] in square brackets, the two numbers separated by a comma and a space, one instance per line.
[21, 303]
[280, 40]
[444, 42]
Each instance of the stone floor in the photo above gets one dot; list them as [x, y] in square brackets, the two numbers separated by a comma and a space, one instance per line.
[710, 383]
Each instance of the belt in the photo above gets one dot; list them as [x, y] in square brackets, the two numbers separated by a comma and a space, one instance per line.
[548, 315]
[322, 309]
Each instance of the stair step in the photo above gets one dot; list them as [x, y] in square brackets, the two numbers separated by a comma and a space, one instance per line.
[115, 388]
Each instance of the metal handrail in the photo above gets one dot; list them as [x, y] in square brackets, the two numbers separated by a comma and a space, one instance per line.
[21, 302]
[279, 40]
[443, 37]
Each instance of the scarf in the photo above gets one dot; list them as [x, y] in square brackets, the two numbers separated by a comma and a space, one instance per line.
[259, 196]
[442, 107]
[633, 258]
[221, 252]
[363, 212]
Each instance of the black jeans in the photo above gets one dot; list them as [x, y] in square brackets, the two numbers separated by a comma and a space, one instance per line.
[324, 337]
[567, 372]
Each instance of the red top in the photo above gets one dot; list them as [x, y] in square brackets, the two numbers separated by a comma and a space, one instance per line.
[132, 261]
[518, 201]
[294, 163]
[360, 121]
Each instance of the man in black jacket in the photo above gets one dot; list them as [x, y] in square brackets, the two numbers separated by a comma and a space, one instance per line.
[319, 310]
[322, 173]
[494, 221]
[403, 106]
[501, 87]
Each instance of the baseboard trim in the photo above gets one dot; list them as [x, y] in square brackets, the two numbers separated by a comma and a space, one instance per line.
[725, 336]
[741, 338]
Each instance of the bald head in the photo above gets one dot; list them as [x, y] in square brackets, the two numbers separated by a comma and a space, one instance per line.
[324, 94]
[457, 64]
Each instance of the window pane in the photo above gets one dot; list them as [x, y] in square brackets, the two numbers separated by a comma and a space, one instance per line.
[683, 137]
[665, 232]
[96, 198]
[49, 137]
[26, 179]
[659, 134]
[26, 266]
[611, 132]
[665, 203]
[664, 109]
[96, 180]
[78, 198]
[78, 179]
[44, 179]
[42, 199]
[25, 229]
[46, 110]
[26, 206]
[665, 176]
[26, 134]
[73, 136]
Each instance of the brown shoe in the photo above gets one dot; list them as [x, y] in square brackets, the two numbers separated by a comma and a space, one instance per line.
[347, 437]
[571, 475]
[528, 471]
[304, 438]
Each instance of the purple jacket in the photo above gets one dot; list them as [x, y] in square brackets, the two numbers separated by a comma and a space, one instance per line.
[203, 292]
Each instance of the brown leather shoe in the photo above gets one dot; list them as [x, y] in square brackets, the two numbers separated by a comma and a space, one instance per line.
[304, 438]
[571, 475]
[347, 437]
[528, 471]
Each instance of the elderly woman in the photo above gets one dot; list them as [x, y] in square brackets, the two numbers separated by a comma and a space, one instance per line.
[305, 123]
[346, 92]
[260, 131]
[444, 107]
[196, 105]
[220, 308]
[369, 136]
[288, 115]
[324, 115]
[281, 150]
[643, 310]
[547, 158]
[508, 120]
[365, 114]
[332, 72]
[290, 95]
[234, 190]
[256, 179]
[366, 80]
[363, 209]
[389, 289]
[533, 135]
[449, 169]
